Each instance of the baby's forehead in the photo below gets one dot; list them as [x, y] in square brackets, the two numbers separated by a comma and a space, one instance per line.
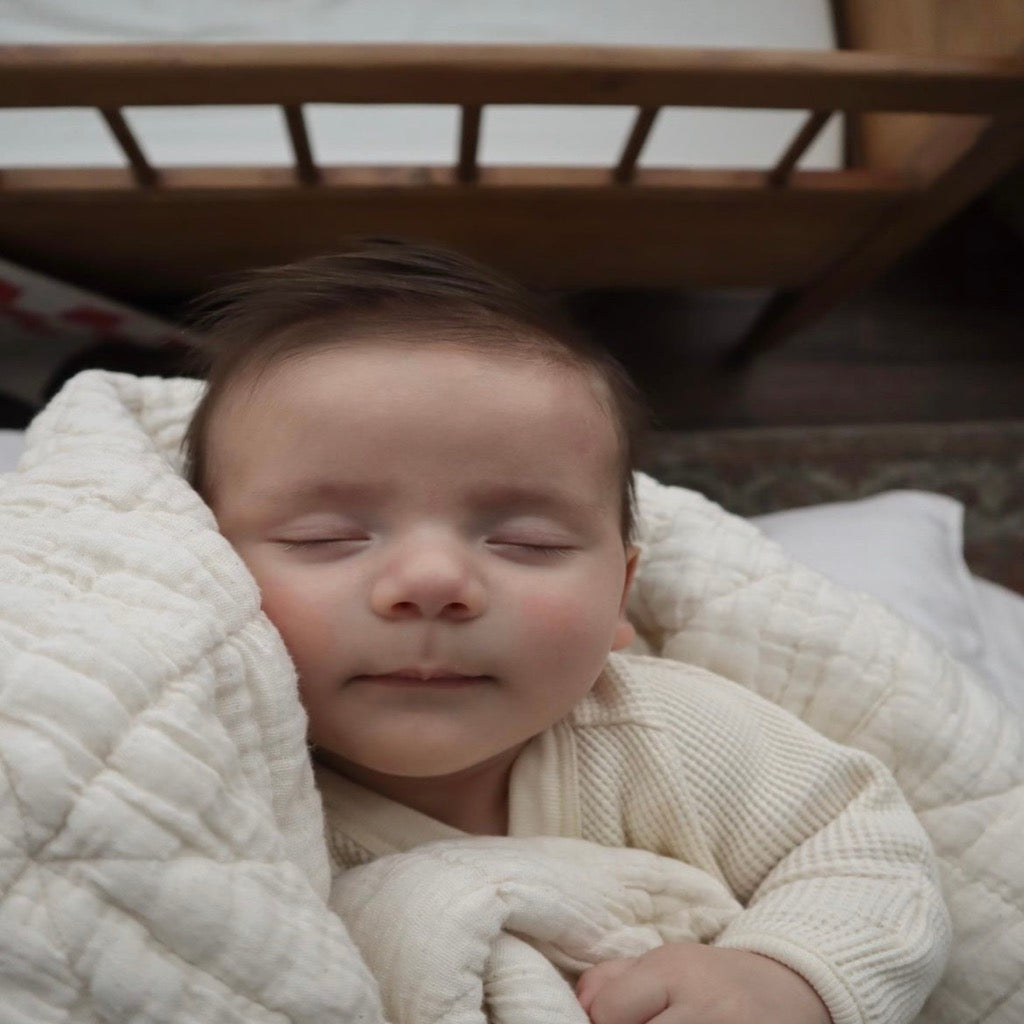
[240, 438]
[256, 378]
[267, 386]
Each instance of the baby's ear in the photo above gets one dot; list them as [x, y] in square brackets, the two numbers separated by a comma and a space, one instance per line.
[625, 634]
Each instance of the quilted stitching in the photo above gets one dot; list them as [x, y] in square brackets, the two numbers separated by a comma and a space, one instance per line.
[163, 855]
[126, 616]
[722, 596]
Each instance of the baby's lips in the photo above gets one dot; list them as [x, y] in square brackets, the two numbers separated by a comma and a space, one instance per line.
[428, 673]
[422, 677]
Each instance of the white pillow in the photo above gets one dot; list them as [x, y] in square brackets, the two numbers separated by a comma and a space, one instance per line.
[12, 444]
[904, 548]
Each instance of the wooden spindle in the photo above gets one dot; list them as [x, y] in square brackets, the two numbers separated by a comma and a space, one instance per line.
[807, 134]
[305, 167]
[626, 168]
[469, 139]
[142, 170]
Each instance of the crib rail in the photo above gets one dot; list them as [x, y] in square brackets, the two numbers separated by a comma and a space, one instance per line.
[104, 76]
[173, 228]
[110, 78]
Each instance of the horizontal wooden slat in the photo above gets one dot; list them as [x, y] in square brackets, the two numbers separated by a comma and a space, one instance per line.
[42, 76]
[179, 183]
[173, 241]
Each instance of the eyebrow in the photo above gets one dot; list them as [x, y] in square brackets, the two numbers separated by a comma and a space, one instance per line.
[511, 498]
[507, 498]
[317, 490]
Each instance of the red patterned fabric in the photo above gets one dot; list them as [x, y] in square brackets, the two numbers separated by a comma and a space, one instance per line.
[34, 305]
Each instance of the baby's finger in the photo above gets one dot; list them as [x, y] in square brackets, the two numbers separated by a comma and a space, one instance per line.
[595, 978]
[631, 997]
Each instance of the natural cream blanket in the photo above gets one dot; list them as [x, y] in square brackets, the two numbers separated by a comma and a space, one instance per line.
[498, 929]
[162, 848]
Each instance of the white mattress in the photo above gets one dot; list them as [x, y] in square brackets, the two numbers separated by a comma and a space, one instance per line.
[381, 135]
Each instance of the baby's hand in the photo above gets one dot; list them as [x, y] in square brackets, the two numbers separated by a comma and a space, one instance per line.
[686, 982]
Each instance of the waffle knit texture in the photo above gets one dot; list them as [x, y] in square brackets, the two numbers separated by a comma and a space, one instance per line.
[835, 875]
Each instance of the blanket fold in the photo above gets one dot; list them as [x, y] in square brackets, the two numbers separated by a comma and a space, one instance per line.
[161, 838]
[163, 854]
[491, 929]
[714, 592]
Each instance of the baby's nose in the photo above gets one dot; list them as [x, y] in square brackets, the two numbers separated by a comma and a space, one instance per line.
[430, 581]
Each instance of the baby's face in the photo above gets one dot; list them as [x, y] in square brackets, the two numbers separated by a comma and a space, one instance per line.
[436, 536]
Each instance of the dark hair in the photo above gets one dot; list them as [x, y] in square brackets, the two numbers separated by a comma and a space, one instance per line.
[391, 289]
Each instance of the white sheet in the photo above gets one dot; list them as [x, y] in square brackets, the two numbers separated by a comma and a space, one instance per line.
[509, 135]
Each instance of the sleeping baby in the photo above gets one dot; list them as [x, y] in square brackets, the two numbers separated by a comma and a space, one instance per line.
[429, 475]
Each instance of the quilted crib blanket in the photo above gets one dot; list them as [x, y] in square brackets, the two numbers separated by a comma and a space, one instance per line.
[162, 839]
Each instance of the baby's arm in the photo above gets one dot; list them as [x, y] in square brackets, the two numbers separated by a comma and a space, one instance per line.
[837, 877]
[843, 882]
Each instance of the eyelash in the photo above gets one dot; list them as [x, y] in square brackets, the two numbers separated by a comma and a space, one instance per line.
[536, 549]
[293, 545]
[550, 550]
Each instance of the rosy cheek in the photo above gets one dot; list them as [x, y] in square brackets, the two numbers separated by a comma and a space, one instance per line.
[554, 618]
[275, 597]
[299, 620]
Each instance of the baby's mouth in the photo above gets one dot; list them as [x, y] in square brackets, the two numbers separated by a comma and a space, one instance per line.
[441, 678]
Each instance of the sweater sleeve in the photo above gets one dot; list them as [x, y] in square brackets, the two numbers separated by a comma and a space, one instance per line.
[836, 875]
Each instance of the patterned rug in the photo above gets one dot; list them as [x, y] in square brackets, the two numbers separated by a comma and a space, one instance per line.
[753, 471]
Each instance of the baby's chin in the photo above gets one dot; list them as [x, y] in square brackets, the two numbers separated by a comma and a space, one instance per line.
[416, 762]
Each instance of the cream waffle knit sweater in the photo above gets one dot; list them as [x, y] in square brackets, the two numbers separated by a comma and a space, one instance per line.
[835, 875]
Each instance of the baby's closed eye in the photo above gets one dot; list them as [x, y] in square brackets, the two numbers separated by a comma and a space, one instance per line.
[543, 549]
[309, 542]
[531, 538]
[321, 535]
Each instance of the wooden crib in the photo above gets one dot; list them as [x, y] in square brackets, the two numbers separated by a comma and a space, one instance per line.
[146, 233]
